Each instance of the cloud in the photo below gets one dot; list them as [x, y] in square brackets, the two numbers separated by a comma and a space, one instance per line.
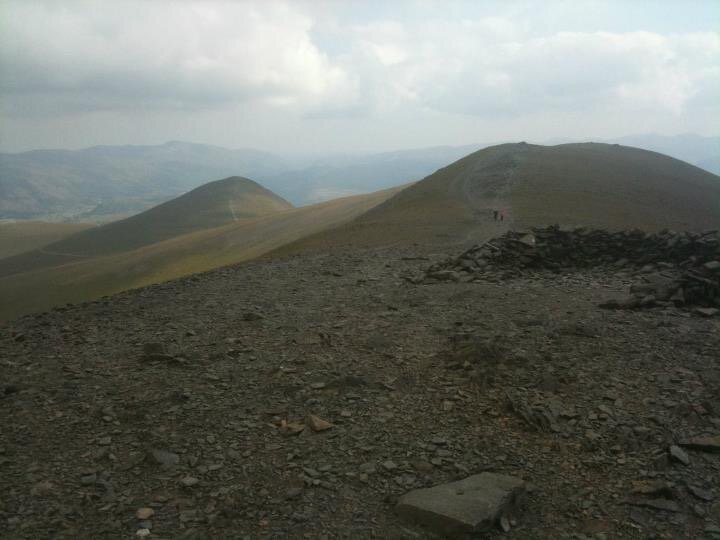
[313, 64]
[168, 54]
[487, 68]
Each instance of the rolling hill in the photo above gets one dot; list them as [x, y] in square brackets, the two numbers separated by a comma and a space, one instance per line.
[211, 205]
[90, 278]
[102, 182]
[593, 184]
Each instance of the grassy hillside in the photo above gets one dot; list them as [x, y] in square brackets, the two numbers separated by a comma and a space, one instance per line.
[20, 236]
[195, 252]
[602, 185]
[615, 187]
[211, 205]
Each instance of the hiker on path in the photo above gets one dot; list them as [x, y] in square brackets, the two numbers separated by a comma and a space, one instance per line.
[495, 215]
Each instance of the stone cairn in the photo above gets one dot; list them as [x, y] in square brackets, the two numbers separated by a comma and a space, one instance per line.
[676, 268]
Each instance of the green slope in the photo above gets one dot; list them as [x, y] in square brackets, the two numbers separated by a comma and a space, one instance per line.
[211, 205]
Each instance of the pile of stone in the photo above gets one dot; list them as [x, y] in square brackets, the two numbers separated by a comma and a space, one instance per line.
[681, 268]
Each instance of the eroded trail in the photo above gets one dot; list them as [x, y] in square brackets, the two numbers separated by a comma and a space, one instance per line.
[93, 430]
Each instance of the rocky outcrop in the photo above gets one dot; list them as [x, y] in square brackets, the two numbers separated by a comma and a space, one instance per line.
[673, 268]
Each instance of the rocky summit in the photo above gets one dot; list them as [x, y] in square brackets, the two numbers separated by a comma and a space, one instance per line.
[404, 392]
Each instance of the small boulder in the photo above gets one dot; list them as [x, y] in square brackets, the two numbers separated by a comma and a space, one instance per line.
[316, 423]
[468, 506]
[144, 513]
[291, 428]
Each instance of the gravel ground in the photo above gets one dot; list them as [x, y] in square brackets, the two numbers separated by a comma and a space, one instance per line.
[204, 439]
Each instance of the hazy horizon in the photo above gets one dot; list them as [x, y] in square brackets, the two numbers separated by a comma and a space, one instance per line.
[318, 153]
[353, 77]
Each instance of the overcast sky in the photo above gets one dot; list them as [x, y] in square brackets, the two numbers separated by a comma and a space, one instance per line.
[321, 76]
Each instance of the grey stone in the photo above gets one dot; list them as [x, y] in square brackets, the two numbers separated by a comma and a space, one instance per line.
[189, 481]
[679, 455]
[165, 458]
[88, 479]
[467, 506]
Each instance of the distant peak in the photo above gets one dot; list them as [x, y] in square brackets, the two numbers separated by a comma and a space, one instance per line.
[234, 180]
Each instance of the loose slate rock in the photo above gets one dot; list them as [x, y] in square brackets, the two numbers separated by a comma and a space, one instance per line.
[165, 458]
[704, 444]
[679, 455]
[317, 424]
[467, 506]
[700, 493]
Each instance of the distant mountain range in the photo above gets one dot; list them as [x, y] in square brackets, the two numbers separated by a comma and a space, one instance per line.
[109, 182]
[104, 182]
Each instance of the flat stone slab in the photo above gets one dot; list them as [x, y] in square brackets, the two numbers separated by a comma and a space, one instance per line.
[474, 504]
[704, 444]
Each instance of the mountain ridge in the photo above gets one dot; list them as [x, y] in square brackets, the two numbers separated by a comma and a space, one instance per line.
[575, 184]
[108, 182]
[211, 205]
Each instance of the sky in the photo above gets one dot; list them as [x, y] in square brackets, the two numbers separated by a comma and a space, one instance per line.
[354, 76]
